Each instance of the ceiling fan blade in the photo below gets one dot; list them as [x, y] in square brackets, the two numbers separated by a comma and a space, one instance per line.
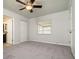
[32, 1]
[31, 11]
[37, 6]
[22, 8]
[21, 2]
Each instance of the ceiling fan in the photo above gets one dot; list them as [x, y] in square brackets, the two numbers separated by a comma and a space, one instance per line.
[29, 5]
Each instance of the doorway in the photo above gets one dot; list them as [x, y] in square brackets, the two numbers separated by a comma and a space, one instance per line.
[7, 31]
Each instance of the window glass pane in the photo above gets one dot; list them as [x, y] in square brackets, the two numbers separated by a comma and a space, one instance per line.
[44, 29]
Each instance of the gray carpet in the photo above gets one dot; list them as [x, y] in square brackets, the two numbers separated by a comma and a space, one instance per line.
[37, 50]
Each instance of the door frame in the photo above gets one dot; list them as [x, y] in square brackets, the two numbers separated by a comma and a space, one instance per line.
[11, 27]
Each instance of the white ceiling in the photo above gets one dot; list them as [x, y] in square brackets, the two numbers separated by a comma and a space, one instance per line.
[49, 6]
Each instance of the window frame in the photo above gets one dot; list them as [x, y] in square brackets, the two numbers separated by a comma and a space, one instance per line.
[44, 30]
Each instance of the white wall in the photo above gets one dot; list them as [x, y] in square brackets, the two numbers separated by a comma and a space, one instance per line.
[14, 15]
[60, 29]
[19, 26]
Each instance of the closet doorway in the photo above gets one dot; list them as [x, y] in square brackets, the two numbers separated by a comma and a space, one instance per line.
[7, 31]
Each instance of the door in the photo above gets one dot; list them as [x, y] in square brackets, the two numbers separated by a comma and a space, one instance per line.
[23, 31]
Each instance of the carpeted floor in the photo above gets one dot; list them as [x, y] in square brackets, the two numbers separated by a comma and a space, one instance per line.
[37, 50]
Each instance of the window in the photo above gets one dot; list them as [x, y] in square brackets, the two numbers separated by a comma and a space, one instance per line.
[44, 28]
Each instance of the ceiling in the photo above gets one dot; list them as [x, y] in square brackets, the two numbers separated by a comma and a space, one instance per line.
[49, 6]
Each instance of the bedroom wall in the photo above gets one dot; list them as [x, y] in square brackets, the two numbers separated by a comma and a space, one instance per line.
[60, 29]
[19, 32]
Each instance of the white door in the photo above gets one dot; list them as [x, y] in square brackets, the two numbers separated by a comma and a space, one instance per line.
[23, 31]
